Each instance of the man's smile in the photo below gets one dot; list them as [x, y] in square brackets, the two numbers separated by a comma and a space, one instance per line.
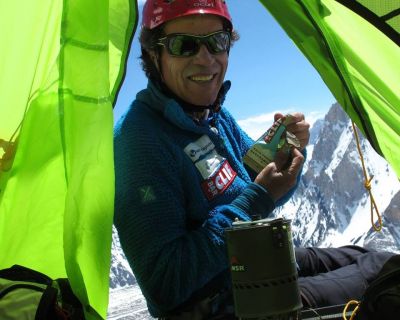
[202, 78]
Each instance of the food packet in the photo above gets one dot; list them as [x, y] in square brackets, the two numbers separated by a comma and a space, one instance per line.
[275, 139]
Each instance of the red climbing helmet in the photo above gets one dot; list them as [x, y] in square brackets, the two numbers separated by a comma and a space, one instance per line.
[156, 12]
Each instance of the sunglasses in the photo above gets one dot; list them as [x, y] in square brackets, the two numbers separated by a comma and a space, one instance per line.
[186, 45]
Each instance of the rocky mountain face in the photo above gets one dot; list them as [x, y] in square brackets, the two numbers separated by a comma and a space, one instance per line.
[331, 206]
[120, 274]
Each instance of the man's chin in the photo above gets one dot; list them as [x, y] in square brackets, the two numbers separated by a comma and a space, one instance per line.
[201, 100]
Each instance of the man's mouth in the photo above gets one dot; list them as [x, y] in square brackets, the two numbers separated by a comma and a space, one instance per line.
[202, 78]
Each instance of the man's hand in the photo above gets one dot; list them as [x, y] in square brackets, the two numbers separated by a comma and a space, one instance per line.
[279, 181]
[298, 126]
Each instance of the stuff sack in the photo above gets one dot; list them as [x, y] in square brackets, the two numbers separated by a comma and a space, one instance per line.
[382, 297]
[26, 294]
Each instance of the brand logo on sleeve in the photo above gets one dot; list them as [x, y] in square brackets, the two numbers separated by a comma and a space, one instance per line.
[219, 182]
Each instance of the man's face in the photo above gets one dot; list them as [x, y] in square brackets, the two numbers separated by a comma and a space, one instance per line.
[195, 79]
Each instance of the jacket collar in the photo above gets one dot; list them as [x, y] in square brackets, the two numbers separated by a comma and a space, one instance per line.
[172, 110]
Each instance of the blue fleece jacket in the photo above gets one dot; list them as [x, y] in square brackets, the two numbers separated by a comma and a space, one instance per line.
[179, 184]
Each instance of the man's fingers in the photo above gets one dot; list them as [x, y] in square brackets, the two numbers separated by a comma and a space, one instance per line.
[296, 163]
[278, 116]
[281, 159]
[302, 132]
[266, 175]
[297, 127]
[297, 116]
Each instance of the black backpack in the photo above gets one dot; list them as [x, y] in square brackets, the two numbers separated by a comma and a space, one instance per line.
[26, 294]
[382, 297]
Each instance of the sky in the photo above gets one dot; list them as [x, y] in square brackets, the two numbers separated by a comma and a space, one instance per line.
[268, 73]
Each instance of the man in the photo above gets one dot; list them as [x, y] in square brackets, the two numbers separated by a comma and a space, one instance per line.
[180, 178]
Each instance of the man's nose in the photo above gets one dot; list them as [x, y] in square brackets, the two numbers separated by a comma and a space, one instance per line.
[204, 56]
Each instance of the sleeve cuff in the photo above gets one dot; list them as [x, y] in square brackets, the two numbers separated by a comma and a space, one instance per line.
[255, 201]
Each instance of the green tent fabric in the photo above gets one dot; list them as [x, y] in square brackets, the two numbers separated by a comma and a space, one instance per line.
[354, 45]
[61, 66]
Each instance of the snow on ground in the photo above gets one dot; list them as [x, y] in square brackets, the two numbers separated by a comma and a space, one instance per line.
[127, 303]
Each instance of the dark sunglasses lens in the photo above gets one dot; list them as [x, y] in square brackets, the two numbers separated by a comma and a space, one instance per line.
[187, 45]
[183, 45]
[218, 42]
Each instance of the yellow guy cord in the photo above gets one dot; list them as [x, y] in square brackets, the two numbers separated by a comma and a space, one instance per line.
[8, 152]
[353, 314]
[367, 185]
[9, 148]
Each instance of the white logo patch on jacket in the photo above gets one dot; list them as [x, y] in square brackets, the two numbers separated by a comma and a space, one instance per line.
[204, 155]
[214, 168]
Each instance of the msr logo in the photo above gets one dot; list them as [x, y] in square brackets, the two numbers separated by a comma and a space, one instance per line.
[219, 182]
[236, 266]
